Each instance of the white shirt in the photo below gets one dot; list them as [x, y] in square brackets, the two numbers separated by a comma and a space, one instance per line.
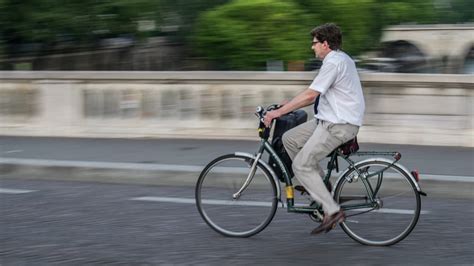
[342, 100]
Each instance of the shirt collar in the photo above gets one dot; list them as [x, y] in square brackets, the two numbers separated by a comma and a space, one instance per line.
[329, 55]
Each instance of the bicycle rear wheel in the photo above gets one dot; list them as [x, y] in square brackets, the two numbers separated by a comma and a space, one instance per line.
[243, 216]
[396, 212]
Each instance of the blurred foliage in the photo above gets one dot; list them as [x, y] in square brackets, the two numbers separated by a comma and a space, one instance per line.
[245, 34]
[399, 12]
[454, 11]
[47, 22]
[185, 12]
[44, 23]
[357, 19]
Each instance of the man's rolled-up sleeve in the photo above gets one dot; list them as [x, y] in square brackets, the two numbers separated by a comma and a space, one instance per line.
[325, 78]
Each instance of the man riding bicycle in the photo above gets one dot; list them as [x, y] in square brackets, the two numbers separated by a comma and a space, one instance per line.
[339, 112]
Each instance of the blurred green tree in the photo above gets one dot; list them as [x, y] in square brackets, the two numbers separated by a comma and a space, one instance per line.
[51, 21]
[242, 33]
[362, 21]
[245, 34]
[357, 19]
[454, 11]
[407, 12]
[183, 14]
[2, 25]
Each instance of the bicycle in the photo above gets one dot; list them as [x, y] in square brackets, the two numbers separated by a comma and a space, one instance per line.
[238, 194]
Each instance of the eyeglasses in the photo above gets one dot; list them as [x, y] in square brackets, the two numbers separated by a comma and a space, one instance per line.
[314, 43]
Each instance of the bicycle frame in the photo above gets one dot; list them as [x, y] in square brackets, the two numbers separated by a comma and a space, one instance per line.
[369, 175]
[265, 146]
[370, 198]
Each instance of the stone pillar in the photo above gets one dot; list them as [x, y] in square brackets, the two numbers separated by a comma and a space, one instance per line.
[60, 109]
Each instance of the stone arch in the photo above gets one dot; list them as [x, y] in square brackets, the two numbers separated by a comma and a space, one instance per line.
[406, 55]
[467, 61]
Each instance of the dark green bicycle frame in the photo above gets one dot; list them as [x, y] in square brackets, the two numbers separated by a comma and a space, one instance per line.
[333, 164]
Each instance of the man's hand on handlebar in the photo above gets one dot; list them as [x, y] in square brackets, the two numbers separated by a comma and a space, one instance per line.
[269, 116]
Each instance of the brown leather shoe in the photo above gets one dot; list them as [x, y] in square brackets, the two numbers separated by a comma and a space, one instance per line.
[329, 223]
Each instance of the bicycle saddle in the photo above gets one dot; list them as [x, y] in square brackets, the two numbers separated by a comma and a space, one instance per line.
[347, 148]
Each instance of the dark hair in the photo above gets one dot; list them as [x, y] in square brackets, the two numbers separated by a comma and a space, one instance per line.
[329, 32]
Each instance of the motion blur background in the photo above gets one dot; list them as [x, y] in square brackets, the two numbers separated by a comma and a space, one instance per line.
[147, 92]
[233, 35]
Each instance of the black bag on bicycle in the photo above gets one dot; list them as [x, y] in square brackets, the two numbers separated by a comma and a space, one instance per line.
[283, 124]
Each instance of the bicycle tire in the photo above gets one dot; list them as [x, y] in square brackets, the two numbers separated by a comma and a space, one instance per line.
[388, 224]
[242, 217]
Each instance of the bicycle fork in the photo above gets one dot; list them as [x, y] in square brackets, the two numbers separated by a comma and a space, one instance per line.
[250, 176]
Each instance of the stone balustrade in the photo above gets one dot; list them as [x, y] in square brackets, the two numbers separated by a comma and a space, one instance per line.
[400, 108]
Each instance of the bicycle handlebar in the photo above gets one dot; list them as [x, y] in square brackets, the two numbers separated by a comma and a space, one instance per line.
[261, 111]
[263, 131]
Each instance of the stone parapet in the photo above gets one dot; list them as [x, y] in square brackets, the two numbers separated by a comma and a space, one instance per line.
[401, 108]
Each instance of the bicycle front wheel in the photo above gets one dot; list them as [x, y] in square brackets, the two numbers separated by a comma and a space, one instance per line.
[395, 207]
[236, 216]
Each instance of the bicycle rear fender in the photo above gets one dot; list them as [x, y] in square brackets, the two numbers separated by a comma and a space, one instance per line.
[267, 167]
[386, 161]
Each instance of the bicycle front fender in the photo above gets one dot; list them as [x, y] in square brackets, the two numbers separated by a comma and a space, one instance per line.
[267, 167]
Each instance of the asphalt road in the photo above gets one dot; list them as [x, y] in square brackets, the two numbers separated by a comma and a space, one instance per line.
[76, 223]
[44, 222]
[435, 160]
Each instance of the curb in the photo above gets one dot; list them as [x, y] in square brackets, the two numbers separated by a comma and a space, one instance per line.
[13, 163]
[123, 175]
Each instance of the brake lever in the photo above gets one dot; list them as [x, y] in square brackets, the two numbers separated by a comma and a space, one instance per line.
[273, 107]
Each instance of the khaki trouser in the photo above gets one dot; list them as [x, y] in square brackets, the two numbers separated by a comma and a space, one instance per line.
[308, 144]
